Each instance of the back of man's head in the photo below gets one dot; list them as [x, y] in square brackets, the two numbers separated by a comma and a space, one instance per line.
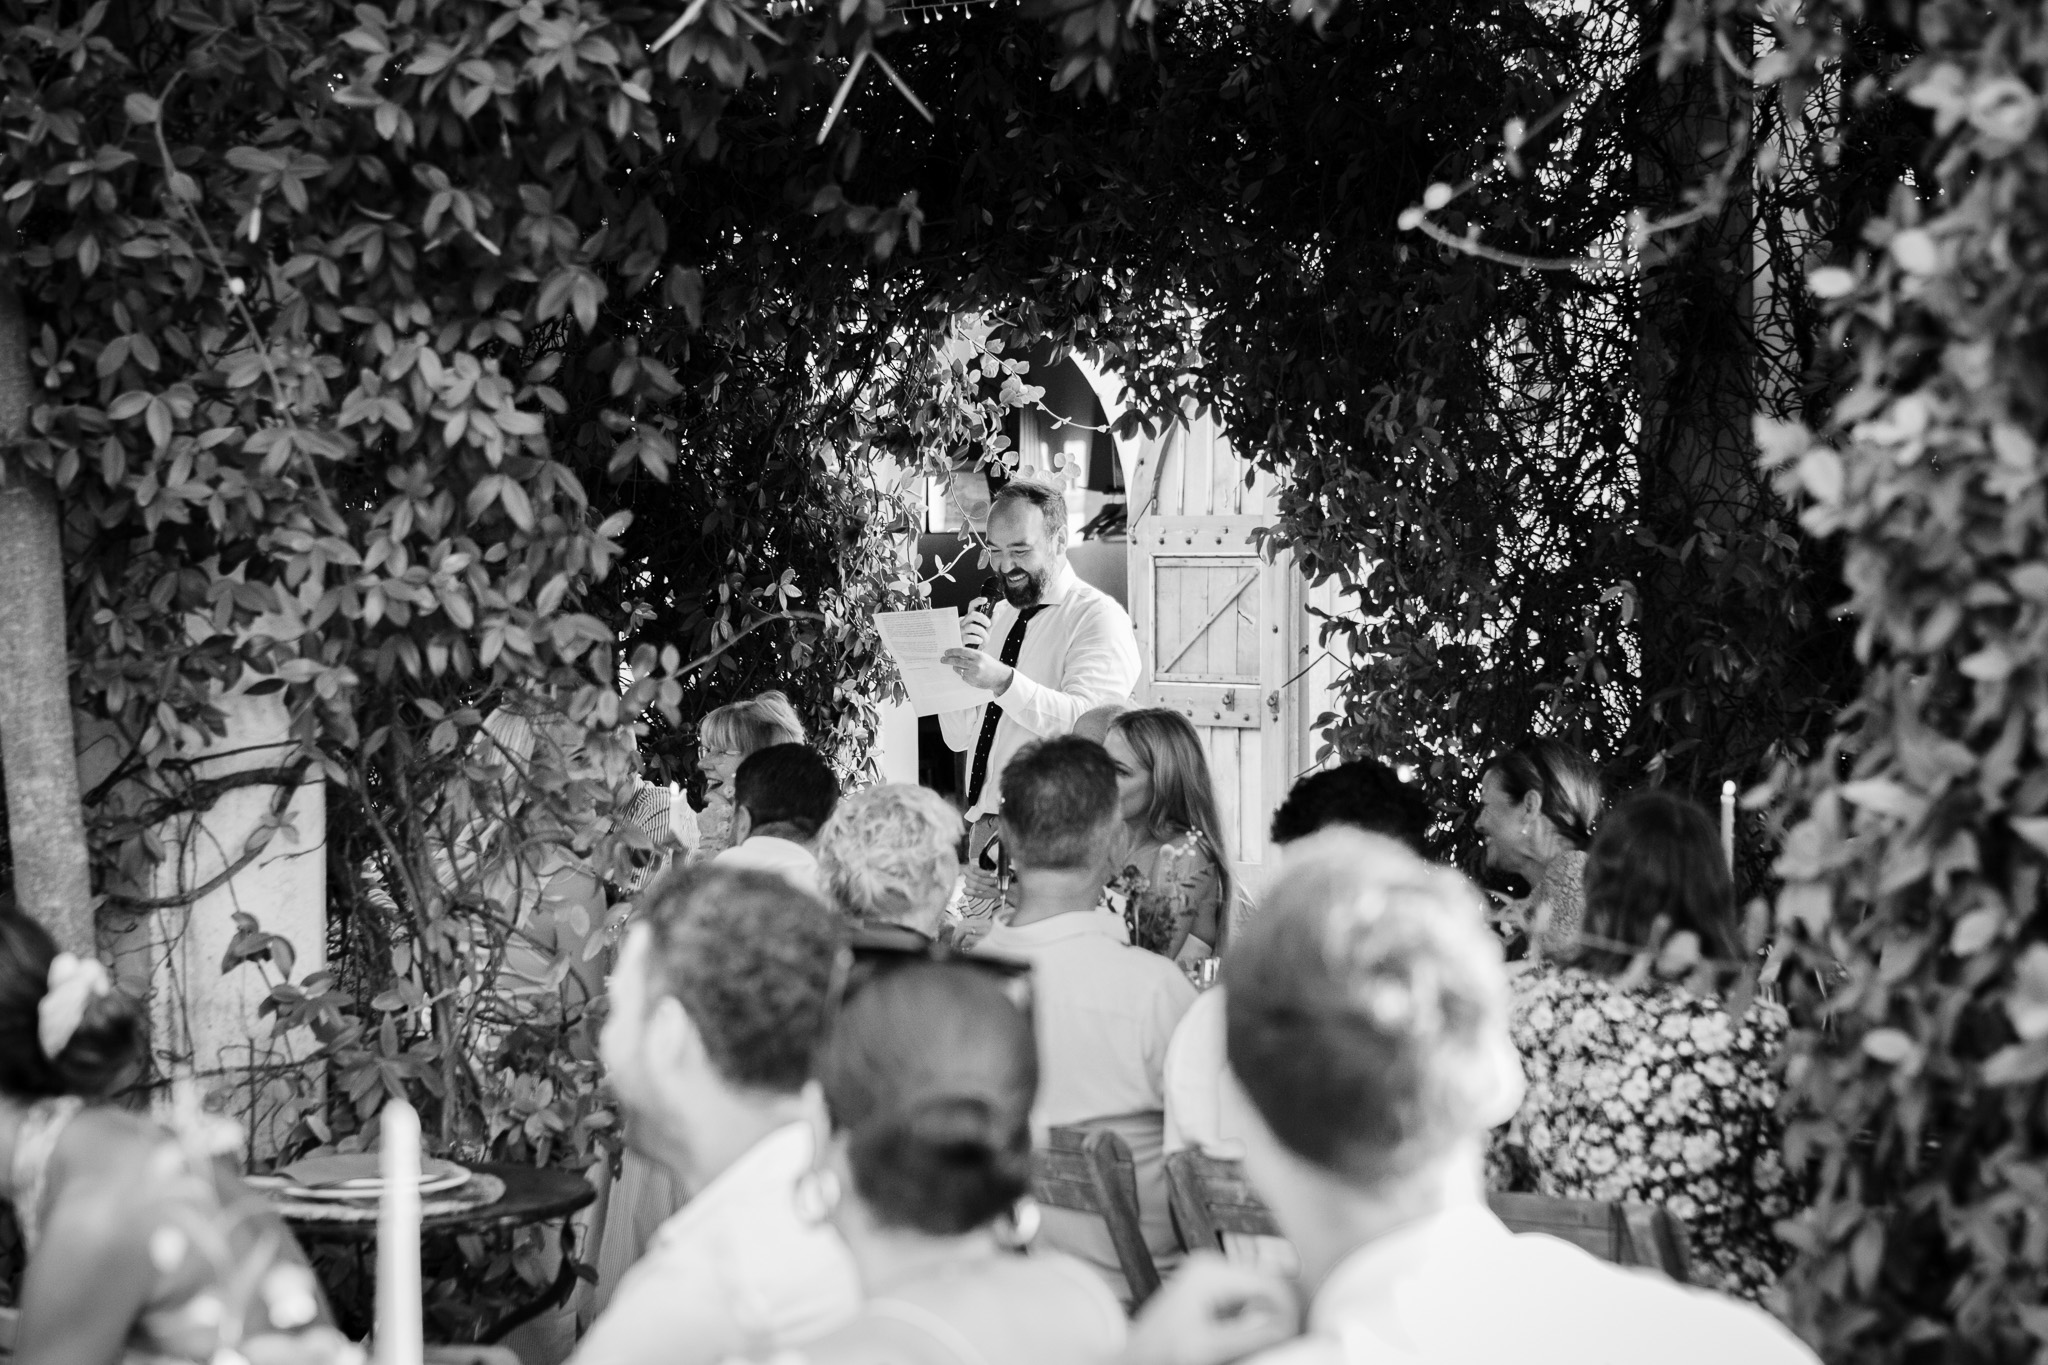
[1363, 794]
[1367, 1011]
[1059, 804]
[889, 855]
[786, 784]
[750, 958]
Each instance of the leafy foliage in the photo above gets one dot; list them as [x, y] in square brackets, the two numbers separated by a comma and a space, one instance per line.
[1912, 872]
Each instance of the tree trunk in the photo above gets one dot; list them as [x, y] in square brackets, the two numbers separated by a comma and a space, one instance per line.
[38, 749]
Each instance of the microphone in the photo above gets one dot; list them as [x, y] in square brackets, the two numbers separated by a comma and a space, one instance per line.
[991, 589]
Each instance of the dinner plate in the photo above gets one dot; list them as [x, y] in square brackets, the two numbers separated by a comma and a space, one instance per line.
[360, 1177]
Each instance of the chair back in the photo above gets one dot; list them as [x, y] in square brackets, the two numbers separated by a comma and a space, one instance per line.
[1626, 1234]
[1089, 1170]
[1211, 1197]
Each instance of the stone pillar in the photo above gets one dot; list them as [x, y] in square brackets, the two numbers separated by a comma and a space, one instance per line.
[203, 1022]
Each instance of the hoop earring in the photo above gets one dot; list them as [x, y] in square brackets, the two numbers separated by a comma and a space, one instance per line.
[1015, 1230]
[816, 1195]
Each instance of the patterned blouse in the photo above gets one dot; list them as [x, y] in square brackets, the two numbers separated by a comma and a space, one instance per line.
[1652, 1095]
[1163, 893]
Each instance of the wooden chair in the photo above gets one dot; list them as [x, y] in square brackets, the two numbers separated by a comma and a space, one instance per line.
[1089, 1170]
[1626, 1234]
[1211, 1196]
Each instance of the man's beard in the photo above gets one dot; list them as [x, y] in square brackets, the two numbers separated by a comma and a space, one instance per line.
[1025, 594]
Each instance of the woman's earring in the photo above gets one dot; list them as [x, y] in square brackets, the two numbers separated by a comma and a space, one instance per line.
[817, 1196]
[1016, 1231]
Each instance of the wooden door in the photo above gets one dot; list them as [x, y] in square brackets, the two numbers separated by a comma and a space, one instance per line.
[1218, 625]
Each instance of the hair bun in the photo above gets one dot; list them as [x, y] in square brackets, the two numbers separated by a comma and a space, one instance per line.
[103, 1048]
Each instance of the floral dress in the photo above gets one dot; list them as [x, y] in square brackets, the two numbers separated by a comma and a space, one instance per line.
[1653, 1095]
[1163, 894]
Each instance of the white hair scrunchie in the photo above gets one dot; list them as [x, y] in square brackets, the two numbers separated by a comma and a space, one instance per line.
[74, 983]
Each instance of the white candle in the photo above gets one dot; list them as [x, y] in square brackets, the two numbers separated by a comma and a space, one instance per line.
[398, 1339]
[1728, 823]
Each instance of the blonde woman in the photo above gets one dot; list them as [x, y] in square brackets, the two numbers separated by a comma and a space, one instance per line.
[724, 738]
[1173, 884]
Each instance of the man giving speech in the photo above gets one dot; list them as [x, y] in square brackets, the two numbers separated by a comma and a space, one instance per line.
[1053, 649]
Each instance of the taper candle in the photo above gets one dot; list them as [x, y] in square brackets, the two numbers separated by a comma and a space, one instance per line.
[399, 1303]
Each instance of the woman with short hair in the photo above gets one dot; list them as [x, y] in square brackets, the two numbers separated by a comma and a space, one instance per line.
[726, 737]
[890, 856]
[1174, 886]
[1640, 1089]
[928, 1075]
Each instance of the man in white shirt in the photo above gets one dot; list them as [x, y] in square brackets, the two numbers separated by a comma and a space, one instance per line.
[1104, 1009]
[1368, 1026]
[782, 796]
[717, 1005]
[1053, 649]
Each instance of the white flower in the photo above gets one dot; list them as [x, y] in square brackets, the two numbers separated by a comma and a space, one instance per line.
[1665, 1146]
[1683, 1206]
[1618, 1007]
[1630, 1139]
[1601, 1160]
[1718, 1072]
[1701, 1150]
[1635, 1091]
[1602, 1081]
[1711, 1033]
[1674, 1027]
[1542, 1018]
[1686, 1088]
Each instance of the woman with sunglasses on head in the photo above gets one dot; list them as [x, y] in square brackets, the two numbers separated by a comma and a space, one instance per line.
[928, 1075]
[1174, 885]
[139, 1238]
[1538, 808]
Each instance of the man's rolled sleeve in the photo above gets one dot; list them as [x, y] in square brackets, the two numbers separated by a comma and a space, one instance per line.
[1102, 665]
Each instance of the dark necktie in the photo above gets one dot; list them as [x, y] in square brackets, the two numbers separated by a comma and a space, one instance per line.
[1013, 643]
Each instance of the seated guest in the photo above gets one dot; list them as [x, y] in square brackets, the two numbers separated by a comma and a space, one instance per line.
[1202, 1111]
[717, 1006]
[1695, 1128]
[1105, 1009]
[782, 797]
[1363, 794]
[139, 1238]
[1094, 722]
[642, 1198]
[1368, 1025]
[1173, 885]
[889, 858]
[1538, 807]
[928, 1076]
[725, 738]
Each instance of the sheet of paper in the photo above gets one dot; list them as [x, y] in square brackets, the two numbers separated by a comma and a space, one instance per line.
[915, 640]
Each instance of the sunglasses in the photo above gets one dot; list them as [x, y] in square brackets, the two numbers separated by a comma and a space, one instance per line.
[879, 951]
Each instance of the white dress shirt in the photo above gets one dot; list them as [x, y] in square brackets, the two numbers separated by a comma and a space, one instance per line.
[1078, 653]
[737, 1270]
[1204, 1109]
[769, 853]
[1104, 1012]
[1459, 1289]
